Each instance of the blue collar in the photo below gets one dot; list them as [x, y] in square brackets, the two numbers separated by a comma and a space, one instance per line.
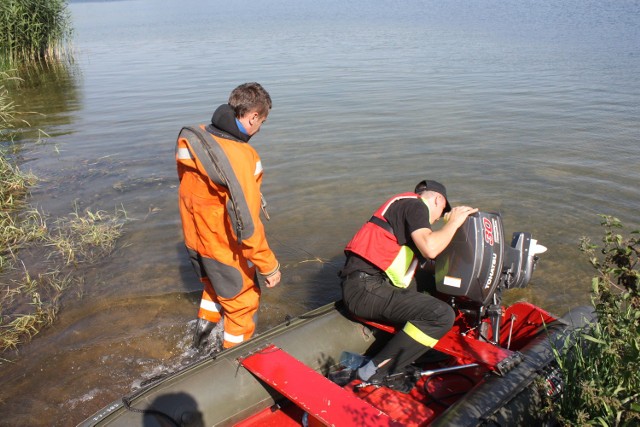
[241, 128]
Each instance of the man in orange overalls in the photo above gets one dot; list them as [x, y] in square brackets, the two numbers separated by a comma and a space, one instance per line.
[220, 202]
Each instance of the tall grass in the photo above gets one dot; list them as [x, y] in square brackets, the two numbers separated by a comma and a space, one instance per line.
[33, 30]
[602, 371]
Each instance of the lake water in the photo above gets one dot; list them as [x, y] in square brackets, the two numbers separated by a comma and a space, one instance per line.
[528, 108]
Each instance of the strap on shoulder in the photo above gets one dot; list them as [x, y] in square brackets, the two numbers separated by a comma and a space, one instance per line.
[219, 170]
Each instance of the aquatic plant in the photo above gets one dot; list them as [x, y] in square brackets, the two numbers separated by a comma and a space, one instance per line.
[38, 258]
[30, 301]
[602, 370]
[85, 237]
[33, 30]
[15, 228]
[7, 106]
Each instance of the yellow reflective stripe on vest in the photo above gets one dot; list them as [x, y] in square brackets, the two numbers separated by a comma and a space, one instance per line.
[419, 336]
[401, 270]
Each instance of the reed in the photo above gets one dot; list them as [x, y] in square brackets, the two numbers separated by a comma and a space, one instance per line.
[48, 252]
[7, 106]
[18, 225]
[36, 302]
[33, 30]
[85, 237]
[29, 302]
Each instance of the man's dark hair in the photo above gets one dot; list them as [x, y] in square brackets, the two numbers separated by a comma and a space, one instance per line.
[248, 97]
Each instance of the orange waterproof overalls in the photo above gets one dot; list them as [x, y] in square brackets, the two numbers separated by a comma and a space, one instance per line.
[224, 235]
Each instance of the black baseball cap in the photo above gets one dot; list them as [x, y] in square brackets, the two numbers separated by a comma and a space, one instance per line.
[428, 185]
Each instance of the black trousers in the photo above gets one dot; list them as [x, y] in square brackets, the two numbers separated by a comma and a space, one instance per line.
[373, 297]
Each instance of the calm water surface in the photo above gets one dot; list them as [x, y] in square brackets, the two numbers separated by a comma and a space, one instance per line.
[529, 108]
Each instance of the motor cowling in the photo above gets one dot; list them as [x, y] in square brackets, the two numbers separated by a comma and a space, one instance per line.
[477, 263]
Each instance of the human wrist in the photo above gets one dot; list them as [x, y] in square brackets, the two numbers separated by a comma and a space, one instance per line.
[271, 273]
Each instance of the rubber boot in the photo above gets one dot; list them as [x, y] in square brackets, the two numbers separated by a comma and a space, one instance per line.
[201, 333]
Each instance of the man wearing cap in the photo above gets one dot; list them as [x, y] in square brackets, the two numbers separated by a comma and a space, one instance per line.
[378, 276]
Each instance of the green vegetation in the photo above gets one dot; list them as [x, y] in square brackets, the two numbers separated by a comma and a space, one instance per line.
[38, 258]
[7, 107]
[33, 30]
[602, 370]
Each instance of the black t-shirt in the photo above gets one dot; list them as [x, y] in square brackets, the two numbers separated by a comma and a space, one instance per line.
[405, 216]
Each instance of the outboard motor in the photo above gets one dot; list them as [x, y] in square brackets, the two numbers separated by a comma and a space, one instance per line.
[477, 265]
[521, 259]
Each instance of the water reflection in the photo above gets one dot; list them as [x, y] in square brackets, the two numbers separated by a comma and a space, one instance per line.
[39, 95]
[46, 94]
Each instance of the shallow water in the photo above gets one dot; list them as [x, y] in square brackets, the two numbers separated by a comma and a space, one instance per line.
[526, 108]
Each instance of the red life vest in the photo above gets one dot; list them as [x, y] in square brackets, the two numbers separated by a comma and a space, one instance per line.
[376, 243]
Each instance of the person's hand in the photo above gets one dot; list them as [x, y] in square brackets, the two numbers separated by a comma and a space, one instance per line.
[273, 280]
[458, 215]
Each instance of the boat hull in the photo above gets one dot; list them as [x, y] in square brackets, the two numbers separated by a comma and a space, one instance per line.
[220, 392]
